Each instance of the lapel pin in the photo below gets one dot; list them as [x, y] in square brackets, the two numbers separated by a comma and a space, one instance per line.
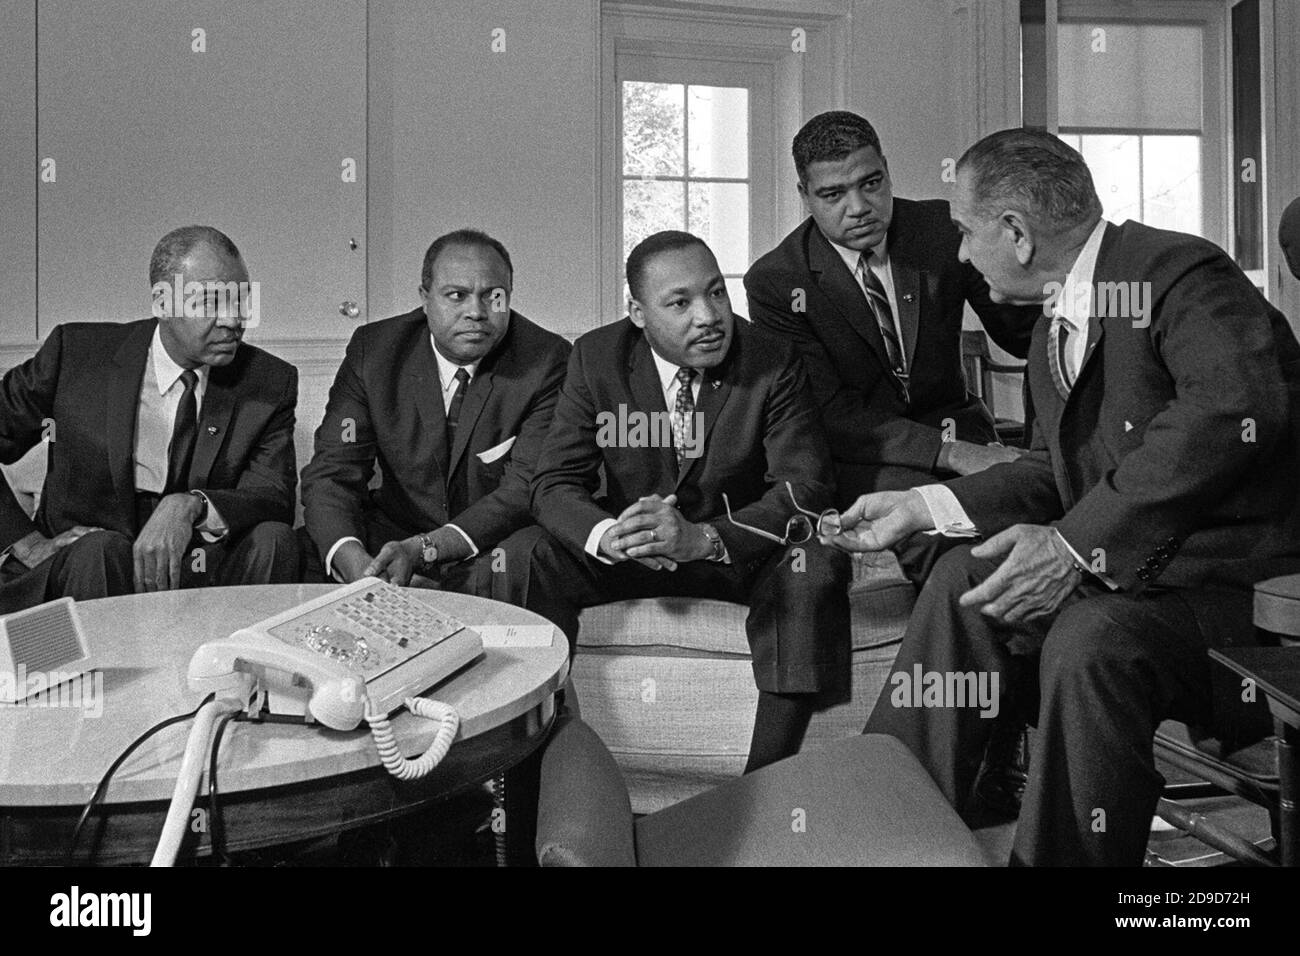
[715, 383]
[212, 429]
[908, 297]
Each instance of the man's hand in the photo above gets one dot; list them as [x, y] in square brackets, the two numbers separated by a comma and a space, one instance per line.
[35, 548]
[880, 520]
[396, 561]
[652, 529]
[160, 547]
[1035, 579]
[350, 562]
[968, 458]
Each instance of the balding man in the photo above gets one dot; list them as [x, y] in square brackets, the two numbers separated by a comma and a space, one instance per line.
[1160, 486]
[171, 460]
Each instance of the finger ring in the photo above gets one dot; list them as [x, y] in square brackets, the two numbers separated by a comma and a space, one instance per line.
[653, 535]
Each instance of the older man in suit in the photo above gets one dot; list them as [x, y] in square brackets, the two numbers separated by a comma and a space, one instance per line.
[710, 443]
[1159, 487]
[452, 401]
[170, 443]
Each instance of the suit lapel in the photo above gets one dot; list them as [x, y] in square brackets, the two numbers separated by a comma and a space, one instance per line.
[121, 405]
[715, 389]
[1095, 327]
[907, 290]
[648, 394]
[214, 419]
[425, 389]
[843, 291]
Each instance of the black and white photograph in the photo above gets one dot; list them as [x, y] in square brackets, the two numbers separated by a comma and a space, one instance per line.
[481, 434]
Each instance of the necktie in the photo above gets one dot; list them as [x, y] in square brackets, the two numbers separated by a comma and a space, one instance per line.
[184, 432]
[457, 488]
[879, 301]
[683, 414]
[1057, 337]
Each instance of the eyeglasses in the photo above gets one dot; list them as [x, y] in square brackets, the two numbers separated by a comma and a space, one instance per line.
[800, 527]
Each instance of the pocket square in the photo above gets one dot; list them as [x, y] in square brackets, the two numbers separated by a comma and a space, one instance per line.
[497, 451]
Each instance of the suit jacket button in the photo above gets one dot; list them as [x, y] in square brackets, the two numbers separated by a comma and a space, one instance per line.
[1143, 574]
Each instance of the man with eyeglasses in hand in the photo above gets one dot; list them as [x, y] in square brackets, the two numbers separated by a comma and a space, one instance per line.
[711, 406]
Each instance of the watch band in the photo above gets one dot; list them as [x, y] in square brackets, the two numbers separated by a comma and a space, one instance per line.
[428, 550]
[715, 539]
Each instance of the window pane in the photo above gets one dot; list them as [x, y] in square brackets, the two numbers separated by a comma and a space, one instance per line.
[736, 292]
[1113, 162]
[1171, 182]
[719, 214]
[649, 207]
[719, 131]
[654, 127]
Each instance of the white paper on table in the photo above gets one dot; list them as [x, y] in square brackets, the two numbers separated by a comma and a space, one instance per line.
[516, 635]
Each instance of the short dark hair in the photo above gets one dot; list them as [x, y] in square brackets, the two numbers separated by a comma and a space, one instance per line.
[638, 260]
[462, 237]
[179, 243]
[831, 136]
[1048, 178]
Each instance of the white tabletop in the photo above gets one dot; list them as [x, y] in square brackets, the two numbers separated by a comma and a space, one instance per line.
[142, 646]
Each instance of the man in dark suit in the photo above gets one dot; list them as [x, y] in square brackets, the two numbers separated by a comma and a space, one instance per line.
[170, 443]
[453, 401]
[870, 291]
[1159, 487]
[691, 416]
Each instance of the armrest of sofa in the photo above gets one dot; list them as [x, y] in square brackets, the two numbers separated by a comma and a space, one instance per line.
[584, 815]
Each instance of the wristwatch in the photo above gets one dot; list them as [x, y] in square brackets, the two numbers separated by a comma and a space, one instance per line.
[428, 550]
[715, 539]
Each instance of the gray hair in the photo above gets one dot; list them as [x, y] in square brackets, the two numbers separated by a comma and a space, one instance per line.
[179, 243]
[1047, 179]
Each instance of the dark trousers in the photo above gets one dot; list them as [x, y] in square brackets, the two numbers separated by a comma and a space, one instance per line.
[798, 624]
[100, 564]
[499, 572]
[1101, 676]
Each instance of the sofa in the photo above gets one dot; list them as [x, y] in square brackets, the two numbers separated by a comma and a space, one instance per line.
[666, 682]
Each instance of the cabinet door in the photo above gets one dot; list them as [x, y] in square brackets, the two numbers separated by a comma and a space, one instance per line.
[234, 113]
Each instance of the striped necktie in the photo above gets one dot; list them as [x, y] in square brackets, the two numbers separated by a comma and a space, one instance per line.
[879, 301]
[184, 434]
[1058, 337]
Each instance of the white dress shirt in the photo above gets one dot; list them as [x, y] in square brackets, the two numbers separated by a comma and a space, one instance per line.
[447, 378]
[877, 260]
[670, 385]
[155, 418]
[1073, 307]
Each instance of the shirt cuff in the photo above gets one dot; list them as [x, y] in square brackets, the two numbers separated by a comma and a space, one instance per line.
[949, 517]
[329, 555]
[593, 539]
[213, 527]
[473, 548]
[1082, 565]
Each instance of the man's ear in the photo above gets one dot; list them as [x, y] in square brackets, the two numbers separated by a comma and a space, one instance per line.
[1018, 229]
[634, 313]
[803, 195]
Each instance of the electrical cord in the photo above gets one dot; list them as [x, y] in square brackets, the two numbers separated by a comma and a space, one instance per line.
[217, 826]
[102, 789]
[389, 753]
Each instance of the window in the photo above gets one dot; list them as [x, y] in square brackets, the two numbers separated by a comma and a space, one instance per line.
[686, 165]
[1130, 102]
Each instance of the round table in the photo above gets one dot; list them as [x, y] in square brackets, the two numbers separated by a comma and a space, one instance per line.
[279, 782]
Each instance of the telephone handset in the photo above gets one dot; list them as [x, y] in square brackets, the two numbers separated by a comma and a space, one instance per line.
[362, 650]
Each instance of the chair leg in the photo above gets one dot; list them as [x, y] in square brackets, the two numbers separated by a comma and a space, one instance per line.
[1212, 834]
